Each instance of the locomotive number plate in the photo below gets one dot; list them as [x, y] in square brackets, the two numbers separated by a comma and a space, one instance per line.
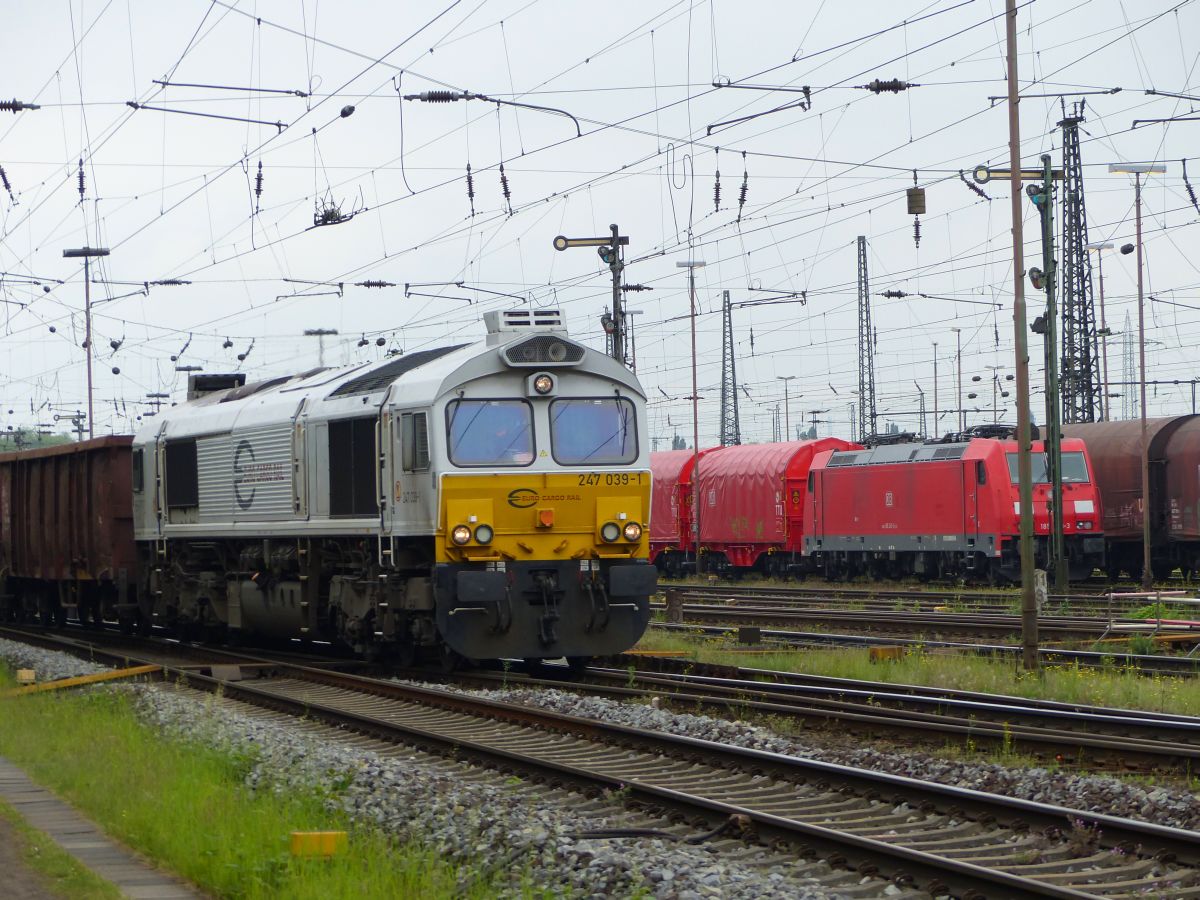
[609, 479]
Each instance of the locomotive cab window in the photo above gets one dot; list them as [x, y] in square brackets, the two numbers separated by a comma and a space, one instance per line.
[139, 469]
[183, 482]
[1074, 468]
[589, 431]
[414, 442]
[352, 488]
[490, 432]
[980, 472]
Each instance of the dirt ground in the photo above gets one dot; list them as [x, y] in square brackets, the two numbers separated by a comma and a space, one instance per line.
[20, 882]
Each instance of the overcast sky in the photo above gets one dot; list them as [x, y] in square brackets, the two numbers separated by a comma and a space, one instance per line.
[173, 195]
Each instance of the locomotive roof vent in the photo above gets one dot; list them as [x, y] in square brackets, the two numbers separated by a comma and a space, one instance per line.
[202, 385]
[498, 320]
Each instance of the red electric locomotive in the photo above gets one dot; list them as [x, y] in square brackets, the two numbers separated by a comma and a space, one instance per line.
[943, 510]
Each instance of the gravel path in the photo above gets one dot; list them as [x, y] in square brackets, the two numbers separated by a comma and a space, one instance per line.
[1096, 793]
[530, 835]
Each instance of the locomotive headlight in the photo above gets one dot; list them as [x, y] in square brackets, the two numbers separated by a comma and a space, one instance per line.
[484, 534]
[633, 531]
[460, 535]
[610, 531]
[543, 384]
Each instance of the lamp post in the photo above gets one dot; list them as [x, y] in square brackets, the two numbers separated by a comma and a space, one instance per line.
[86, 253]
[1138, 170]
[935, 391]
[692, 265]
[1103, 333]
[962, 413]
[787, 424]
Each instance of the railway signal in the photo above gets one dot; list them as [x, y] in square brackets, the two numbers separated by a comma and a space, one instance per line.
[609, 250]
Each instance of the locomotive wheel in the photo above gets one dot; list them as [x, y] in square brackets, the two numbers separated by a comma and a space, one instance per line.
[404, 654]
[449, 661]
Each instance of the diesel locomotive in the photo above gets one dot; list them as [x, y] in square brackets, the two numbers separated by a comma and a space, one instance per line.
[480, 500]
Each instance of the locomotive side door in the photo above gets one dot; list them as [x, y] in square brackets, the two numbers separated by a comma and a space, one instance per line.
[974, 474]
[411, 478]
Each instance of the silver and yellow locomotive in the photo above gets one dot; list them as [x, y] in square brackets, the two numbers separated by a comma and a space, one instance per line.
[481, 500]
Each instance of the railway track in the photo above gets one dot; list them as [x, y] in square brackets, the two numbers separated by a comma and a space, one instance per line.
[1054, 628]
[887, 598]
[943, 839]
[1099, 738]
[1175, 666]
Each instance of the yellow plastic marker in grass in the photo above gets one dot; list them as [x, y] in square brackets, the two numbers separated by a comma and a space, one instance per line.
[317, 843]
[26, 676]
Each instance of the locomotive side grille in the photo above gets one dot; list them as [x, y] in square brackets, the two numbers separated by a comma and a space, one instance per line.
[843, 459]
[542, 350]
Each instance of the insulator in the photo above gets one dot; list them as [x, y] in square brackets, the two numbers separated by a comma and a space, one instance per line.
[471, 189]
[1187, 184]
[116, 370]
[258, 179]
[363, 342]
[887, 86]
[745, 187]
[972, 185]
[227, 345]
[893, 295]
[380, 342]
[81, 181]
[917, 230]
[371, 283]
[115, 344]
[504, 189]
[4, 179]
[441, 96]
[717, 182]
[751, 341]
[15, 106]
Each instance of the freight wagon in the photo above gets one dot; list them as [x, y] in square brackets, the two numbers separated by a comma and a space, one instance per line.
[943, 510]
[752, 505]
[1174, 503]
[66, 533]
[672, 537]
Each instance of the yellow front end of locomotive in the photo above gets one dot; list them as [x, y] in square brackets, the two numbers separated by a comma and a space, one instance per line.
[544, 516]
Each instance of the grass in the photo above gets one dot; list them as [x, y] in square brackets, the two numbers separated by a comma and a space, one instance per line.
[185, 806]
[60, 872]
[1108, 686]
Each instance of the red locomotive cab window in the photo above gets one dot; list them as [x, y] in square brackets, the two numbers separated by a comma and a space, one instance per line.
[812, 480]
[980, 472]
